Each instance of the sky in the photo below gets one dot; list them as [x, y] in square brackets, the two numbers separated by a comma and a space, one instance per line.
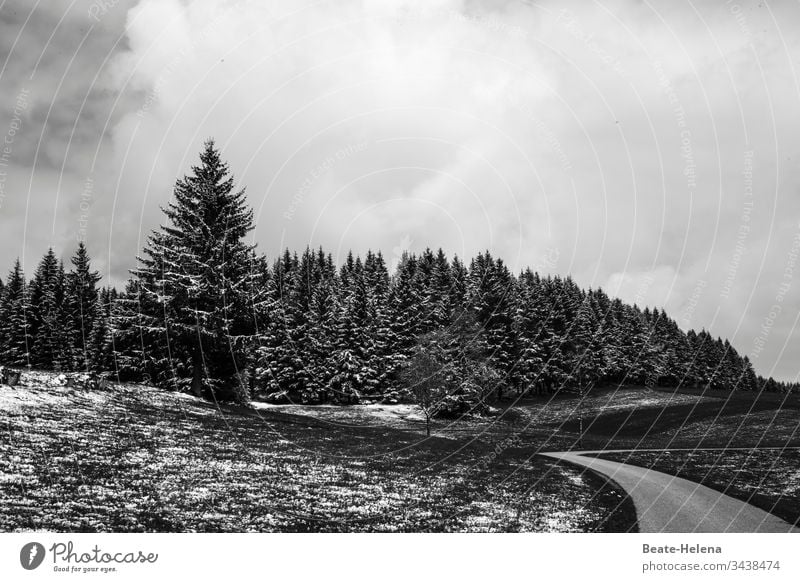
[650, 149]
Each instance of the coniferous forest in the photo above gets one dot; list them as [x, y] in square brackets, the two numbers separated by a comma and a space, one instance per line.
[204, 312]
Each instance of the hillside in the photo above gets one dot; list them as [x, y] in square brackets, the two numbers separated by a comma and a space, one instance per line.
[134, 458]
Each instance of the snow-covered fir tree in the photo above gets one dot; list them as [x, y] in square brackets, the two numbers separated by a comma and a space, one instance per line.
[14, 326]
[51, 328]
[80, 307]
[192, 281]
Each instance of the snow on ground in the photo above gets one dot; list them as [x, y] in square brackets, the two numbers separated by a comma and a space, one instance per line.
[643, 398]
[362, 414]
[136, 458]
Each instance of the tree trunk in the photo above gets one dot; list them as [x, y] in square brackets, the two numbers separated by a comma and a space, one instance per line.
[197, 372]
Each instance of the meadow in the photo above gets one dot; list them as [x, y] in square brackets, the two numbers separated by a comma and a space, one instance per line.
[134, 458]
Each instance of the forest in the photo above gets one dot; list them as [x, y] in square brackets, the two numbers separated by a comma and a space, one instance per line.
[203, 312]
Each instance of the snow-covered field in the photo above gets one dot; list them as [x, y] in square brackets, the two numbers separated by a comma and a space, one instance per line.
[133, 458]
[368, 414]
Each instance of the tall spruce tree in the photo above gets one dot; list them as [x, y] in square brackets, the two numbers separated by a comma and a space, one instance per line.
[50, 330]
[491, 296]
[81, 306]
[131, 361]
[193, 277]
[531, 318]
[99, 346]
[14, 326]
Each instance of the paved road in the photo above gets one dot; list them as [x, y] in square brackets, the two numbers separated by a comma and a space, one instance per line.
[665, 503]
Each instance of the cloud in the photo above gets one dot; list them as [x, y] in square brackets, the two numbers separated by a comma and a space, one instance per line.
[623, 144]
[54, 56]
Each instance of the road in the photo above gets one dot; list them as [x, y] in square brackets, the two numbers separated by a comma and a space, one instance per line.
[665, 503]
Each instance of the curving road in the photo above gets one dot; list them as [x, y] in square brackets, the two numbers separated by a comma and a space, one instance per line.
[665, 503]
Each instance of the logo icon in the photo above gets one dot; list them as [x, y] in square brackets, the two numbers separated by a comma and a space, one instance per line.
[31, 555]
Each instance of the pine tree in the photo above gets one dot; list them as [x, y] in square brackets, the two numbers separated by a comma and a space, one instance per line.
[99, 347]
[356, 377]
[279, 361]
[376, 278]
[50, 329]
[439, 291]
[531, 329]
[491, 295]
[81, 306]
[458, 288]
[322, 336]
[193, 280]
[132, 361]
[584, 344]
[748, 380]
[404, 312]
[14, 326]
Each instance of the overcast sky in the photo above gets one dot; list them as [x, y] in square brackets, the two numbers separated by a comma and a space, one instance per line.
[647, 148]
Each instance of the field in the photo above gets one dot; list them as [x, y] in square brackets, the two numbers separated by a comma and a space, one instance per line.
[138, 459]
[134, 458]
[692, 419]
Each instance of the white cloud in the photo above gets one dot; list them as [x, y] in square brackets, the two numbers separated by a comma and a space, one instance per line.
[608, 139]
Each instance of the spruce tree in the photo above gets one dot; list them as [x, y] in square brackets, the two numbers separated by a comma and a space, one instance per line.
[81, 306]
[99, 347]
[280, 366]
[491, 295]
[193, 281]
[132, 361]
[355, 375]
[50, 329]
[14, 326]
[439, 291]
[322, 336]
[404, 311]
[530, 326]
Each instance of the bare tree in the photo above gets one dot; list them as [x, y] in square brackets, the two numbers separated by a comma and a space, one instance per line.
[426, 378]
[448, 372]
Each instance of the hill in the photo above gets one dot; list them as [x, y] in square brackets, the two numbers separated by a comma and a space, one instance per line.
[135, 458]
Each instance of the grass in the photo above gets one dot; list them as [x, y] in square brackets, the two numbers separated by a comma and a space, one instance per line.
[139, 459]
[766, 478]
[136, 459]
[686, 419]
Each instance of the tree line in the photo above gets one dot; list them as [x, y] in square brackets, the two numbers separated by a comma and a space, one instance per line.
[204, 312]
